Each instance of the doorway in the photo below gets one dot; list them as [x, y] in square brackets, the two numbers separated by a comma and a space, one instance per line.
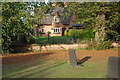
[63, 31]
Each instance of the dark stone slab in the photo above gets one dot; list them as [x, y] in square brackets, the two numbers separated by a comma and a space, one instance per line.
[72, 58]
[113, 70]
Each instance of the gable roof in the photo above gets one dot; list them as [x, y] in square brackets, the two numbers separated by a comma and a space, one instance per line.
[49, 16]
[47, 20]
[66, 21]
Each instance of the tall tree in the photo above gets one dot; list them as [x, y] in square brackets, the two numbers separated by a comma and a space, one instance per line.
[97, 15]
[12, 23]
[40, 9]
[16, 21]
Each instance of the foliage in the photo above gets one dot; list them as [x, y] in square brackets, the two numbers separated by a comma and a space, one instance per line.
[48, 35]
[12, 23]
[17, 23]
[52, 40]
[87, 13]
[84, 41]
[40, 32]
[39, 12]
[102, 45]
[80, 33]
[60, 4]
[48, 32]
[66, 32]
[70, 28]
[114, 26]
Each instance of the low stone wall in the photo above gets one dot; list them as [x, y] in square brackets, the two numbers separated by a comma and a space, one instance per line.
[116, 44]
[57, 47]
[62, 47]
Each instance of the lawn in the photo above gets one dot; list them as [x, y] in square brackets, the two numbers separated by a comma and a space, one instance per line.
[55, 64]
[59, 40]
[55, 69]
[52, 40]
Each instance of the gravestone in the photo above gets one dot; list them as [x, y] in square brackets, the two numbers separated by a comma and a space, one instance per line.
[72, 57]
[113, 70]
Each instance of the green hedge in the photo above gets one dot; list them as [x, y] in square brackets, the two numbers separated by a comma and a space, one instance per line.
[75, 33]
[52, 40]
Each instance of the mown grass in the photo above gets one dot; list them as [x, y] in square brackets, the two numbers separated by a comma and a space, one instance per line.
[52, 40]
[49, 68]
[59, 40]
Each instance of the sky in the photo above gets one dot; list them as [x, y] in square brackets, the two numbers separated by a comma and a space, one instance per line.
[46, 1]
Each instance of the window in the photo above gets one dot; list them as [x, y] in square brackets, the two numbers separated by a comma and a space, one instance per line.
[56, 30]
[56, 20]
[42, 30]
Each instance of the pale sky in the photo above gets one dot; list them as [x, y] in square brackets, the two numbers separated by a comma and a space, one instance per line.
[46, 1]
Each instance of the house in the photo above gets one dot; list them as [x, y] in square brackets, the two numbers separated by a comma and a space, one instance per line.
[55, 23]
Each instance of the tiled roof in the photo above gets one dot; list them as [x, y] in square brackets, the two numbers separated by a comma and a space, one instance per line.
[66, 21]
[49, 16]
[76, 25]
[47, 20]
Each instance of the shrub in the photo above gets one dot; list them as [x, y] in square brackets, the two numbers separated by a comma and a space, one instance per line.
[99, 46]
[66, 32]
[104, 45]
[32, 40]
[40, 32]
[48, 32]
[78, 41]
[80, 33]
[70, 28]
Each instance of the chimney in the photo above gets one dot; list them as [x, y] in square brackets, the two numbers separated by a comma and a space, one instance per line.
[54, 4]
[65, 4]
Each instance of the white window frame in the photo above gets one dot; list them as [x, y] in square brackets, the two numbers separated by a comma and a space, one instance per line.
[56, 30]
[56, 20]
[43, 30]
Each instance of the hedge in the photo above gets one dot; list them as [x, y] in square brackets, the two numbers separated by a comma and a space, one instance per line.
[81, 33]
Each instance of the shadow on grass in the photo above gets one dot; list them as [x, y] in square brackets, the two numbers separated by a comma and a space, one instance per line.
[79, 62]
[35, 70]
[18, 59]
[44, 70]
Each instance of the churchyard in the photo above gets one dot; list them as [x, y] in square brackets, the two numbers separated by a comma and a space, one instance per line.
[56, 64]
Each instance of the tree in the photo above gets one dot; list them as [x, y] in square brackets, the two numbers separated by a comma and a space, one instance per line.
[48, 35]
[12, 24]
[16, 21]
[97, 15]
[40, 33]
[40, 9]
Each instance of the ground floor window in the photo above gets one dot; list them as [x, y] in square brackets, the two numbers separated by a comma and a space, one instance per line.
[56, 30]
[42, 30]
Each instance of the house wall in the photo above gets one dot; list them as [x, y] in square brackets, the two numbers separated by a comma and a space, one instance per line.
[54, 25]
[51, 28]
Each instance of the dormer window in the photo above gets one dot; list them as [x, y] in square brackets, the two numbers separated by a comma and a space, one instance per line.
[56, 20]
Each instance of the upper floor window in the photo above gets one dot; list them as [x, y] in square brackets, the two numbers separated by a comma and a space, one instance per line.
[56, 20]
[56, 30]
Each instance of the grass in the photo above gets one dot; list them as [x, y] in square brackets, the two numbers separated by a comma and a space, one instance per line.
[52, 40]
[49, 68]
[58, 40]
